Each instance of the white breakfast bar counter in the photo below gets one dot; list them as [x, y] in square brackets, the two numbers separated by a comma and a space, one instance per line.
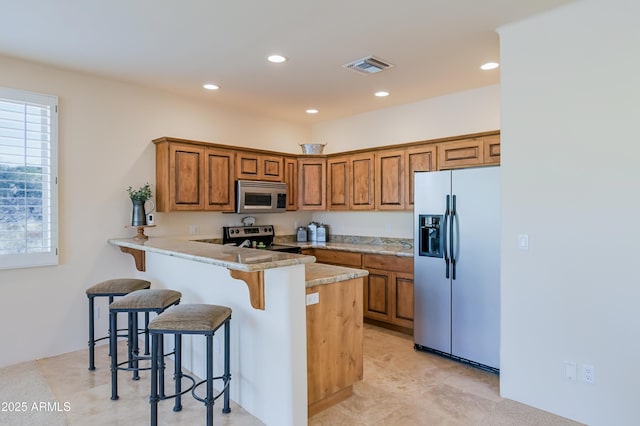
[266, 292]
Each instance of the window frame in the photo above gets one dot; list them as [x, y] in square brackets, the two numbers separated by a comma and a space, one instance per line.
[51, 257]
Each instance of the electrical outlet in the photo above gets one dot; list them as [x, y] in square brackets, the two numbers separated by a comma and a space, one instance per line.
[588, 373]
[194, 229]
[96, 313]
[313, 298]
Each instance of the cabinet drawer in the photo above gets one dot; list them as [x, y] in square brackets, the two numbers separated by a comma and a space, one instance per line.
[388, 263]
[337, 257]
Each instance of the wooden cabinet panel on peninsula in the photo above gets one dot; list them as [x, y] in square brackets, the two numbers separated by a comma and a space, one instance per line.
[388, 290]
[193, 178]
[312, 183]
[334, 343]
[254, 166]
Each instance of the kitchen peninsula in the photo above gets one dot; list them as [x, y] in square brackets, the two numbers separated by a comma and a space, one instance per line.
[277, 342]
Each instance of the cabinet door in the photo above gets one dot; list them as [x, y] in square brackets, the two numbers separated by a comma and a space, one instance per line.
[271, 168]
[419, 159]
[248, 166]
[186, 177]
[338, 183]
[254, 166]
[291, 180]
[362, 192]
[312, 184]
[462, 153]
[390, 180]
[492, 149]
[220, 180]
[402, 298]
[376, 295]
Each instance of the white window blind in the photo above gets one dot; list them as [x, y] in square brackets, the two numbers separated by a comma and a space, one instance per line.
[28, 179]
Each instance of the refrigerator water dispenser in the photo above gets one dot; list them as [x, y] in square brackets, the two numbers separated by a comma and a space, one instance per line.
[431, 232]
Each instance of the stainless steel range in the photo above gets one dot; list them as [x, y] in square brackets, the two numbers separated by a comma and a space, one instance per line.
[261, 235]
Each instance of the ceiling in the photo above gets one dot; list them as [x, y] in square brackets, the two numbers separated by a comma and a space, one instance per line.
[437, 47]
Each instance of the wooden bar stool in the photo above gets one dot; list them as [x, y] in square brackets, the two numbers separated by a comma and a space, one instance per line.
[190, 319]
[134, 303]
[111, 289]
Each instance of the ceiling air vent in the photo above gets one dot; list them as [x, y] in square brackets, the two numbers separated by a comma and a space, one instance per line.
[368, 65]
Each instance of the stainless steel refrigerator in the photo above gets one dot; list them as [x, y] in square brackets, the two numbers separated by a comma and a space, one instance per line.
[457, 264]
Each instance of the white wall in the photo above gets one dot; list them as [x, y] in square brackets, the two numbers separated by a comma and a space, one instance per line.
[471, 111]
[570, 149]
[106, 128]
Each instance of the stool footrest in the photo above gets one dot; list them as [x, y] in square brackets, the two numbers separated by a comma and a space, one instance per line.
[204, 400]
[193, 384]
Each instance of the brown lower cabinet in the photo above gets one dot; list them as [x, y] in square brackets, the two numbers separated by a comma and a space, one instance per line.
[387, 291]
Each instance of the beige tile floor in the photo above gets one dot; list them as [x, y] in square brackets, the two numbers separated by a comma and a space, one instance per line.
[400, 387]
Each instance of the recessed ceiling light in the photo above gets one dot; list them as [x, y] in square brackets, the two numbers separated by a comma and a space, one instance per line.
[312, 111]
[382, 94]
[489, 66]
[211, 86]
[277, 59]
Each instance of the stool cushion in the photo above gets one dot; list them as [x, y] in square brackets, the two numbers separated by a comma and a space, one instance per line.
[117, 287]
[146, 299]
[191, 318]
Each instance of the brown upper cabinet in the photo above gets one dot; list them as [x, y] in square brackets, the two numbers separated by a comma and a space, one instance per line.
[391, 179]
[338, 183]
[419, 159]
[350, 182]
[394, 175]
[259, 166]
[291, 179]
[312, 183]
[361, 191]
[192, 175]
[192, 178]
[469, 152]
[492, 149]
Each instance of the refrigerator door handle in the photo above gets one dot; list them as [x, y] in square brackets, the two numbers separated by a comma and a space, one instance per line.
[451, 239]
[444, 238]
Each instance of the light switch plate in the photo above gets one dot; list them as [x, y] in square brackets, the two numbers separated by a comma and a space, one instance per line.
[570, 370]
[523, 242]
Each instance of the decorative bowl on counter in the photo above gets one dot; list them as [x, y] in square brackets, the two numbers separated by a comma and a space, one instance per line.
[312, 148]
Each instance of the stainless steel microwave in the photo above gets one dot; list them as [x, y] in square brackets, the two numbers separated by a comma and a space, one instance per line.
[253, 196]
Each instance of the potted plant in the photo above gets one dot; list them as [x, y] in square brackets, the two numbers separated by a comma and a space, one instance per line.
[139, 197]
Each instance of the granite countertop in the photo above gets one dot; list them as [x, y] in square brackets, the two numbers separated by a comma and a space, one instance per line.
[388, 249]
[320, 273]
[353, 243]
[241, 259]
